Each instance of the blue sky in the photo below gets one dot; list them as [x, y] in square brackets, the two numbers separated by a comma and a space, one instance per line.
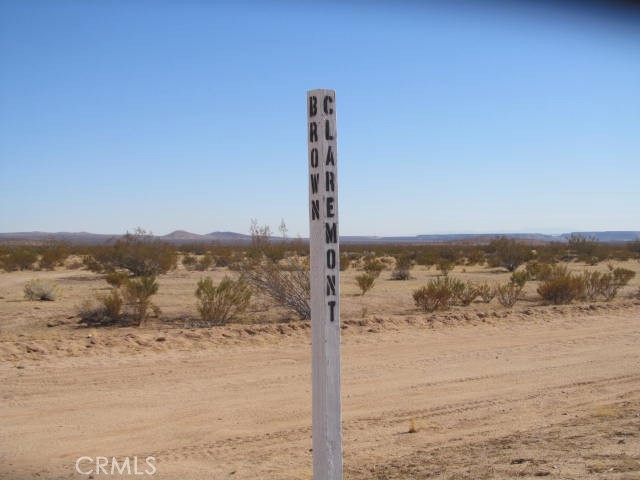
[453, 116]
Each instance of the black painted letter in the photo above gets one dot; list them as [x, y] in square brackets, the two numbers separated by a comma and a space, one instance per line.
[332, 305]
[328, 110]
[331, 258]
[313, 106]
[313, 132]
[331, 233]
[330, 207]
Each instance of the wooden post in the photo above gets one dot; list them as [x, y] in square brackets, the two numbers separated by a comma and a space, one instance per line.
[325, 284]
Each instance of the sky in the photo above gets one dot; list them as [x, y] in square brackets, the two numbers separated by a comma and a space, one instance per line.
[453, 116]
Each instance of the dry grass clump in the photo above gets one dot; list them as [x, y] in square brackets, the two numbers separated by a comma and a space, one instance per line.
[40, 289]
[219, 304]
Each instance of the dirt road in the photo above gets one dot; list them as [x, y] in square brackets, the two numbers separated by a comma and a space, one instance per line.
[553, 396]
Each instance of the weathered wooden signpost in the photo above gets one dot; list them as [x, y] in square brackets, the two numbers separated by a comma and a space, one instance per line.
[325, 284]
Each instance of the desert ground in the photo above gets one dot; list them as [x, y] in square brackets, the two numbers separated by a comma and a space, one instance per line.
[493, 392]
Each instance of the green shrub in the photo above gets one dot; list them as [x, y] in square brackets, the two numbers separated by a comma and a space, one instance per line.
[402, 270]
[138, 293]
[539, 271]
[621, 276]
[189, 261]
[436, 295]
[373, 266]
[508, 293]
[507, 253]
[445, 266]
[138, 253]
[562, 288]
[18, 258]
[365, 281]
[53, 255]
[205, 262]
[218, 305]
[116, 279]
[467, 294]
[486, 292]
[104, 310]
[519, 278]
[40, 289]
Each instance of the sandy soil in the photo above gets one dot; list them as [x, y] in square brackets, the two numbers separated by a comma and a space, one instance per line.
[528, 392]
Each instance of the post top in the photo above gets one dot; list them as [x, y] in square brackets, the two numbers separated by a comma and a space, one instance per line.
[321, 91]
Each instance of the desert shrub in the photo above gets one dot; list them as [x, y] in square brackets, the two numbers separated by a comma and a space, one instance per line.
[586, 249]
[53, 255]
[18, 258]
[138, 293]
[365, 281]
[562, 288]
[287, 284]
[402, 270]
[138, 253]
[445, 266]
[116, 279]
[486, 292]
[436, 295]
[475, 256]
[466, 295]
[597, 284]
[189, 261]
[40, 289]
[519, 278]
[219, 304]
[508, 293]
[112, 304]
[104, 310]
[507, 253]
[205, 262]
[539, 271]
[621, 276]
[372, 266]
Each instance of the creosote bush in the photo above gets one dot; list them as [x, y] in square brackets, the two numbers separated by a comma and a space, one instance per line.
[621, 276]
[103, 310]
[402, 270]
[562, 287]
[436, 295]
[40, 289]
[373, 266]
[138, 253]
[508, 253]
[508, 293]
[365, 281]
[219, 304]
[468, 293]
[486, 292]
[18, 258]
[138, 293]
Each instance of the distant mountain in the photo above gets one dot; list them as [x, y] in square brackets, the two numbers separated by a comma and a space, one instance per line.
[181, 237]
[628, 236]
[228, 236]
